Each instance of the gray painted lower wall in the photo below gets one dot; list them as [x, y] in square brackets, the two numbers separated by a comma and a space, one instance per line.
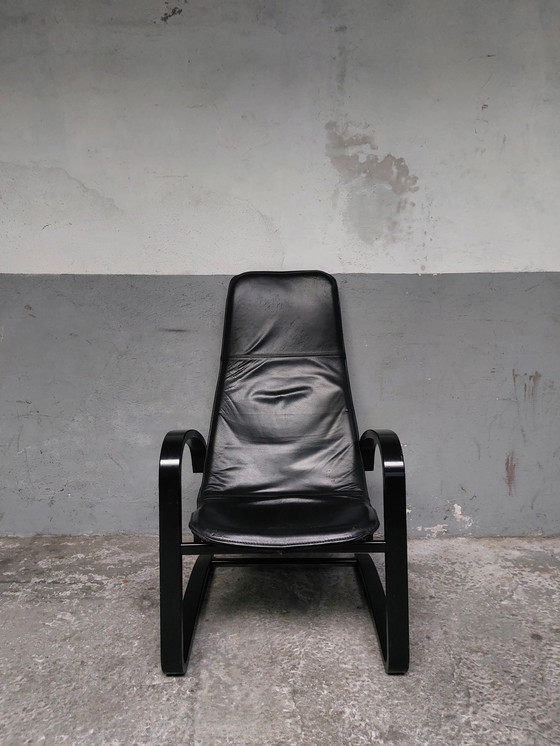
[95, 369]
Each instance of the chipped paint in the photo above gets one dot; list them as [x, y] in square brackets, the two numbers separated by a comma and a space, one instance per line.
[434, 531]
[460, 518]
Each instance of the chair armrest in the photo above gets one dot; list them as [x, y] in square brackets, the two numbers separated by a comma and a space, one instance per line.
[390, 451]
[367, 449]
[170, 463]
[173, 446]
[394, 485]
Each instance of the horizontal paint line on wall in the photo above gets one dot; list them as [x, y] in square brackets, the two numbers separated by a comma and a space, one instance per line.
[335, 272]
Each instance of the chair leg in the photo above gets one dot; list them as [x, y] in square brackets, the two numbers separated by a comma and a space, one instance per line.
[396, 585]
[194, 597]
[389, 609]
[179, 614]
[171, 611]
[375, 597]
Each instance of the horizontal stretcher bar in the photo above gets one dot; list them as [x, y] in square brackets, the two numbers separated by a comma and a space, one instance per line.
[362, 547]
[285, 560]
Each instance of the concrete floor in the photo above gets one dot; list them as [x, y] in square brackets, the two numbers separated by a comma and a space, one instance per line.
[281, 656]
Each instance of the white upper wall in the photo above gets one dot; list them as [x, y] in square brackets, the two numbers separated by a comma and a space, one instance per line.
[144, 136]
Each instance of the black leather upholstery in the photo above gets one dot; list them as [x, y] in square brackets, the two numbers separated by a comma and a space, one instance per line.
[283, 467]
[283, 472]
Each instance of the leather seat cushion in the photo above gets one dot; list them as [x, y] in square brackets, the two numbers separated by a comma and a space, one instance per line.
[283, 521]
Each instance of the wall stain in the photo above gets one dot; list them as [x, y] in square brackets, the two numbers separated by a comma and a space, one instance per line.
[342, 60]
[529, 384]
[170, 12]
[534, 396]
[353, 158]
[376, 188]
[511, 466]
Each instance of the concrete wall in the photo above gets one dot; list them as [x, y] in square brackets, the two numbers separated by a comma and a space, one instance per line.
[385, 142]
[163, 137]
[463, 367]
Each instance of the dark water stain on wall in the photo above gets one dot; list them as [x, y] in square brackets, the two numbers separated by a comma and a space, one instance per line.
[341, 58]
[534, 396]
[528, 383]
[171, 11]
[377, 188]
[352, 157]
[511, 466]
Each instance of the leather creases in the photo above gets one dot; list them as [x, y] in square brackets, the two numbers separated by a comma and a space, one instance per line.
[283, 466]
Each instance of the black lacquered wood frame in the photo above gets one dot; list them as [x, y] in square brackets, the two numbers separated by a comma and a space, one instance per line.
[179, 611]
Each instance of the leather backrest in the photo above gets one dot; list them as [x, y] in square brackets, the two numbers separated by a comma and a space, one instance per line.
[283, 313]
[283, 420]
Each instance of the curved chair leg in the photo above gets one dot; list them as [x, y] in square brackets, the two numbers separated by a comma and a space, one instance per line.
[178, 614]
[194, 597]
[389, 610]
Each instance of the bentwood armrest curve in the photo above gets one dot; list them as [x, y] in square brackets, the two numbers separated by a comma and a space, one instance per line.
[172, 451]
[170, 488]
[390, 451]
[394, 483]
[170, 463]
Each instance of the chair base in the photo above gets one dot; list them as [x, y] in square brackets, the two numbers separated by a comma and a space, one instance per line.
[179, 616]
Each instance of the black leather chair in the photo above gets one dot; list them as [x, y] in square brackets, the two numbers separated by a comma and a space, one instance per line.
[283, 474]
